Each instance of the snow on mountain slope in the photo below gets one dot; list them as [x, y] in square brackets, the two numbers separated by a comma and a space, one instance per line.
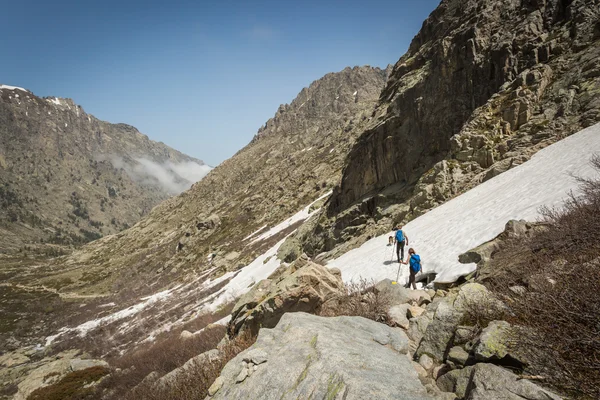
[480, 214]
[237, 283]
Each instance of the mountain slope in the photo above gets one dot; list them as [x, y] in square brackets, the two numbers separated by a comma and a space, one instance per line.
[484, 85]
[293, 159]
[67, 177]
[480, 214]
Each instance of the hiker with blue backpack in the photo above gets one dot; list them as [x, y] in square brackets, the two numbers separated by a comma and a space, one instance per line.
[401, 240]
[415, 266]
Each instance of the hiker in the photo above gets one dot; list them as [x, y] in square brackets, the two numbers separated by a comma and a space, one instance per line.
[390, 241]
[415, 266]
[401, 239]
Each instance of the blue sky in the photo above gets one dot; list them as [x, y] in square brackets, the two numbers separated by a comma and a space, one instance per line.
[199, 76]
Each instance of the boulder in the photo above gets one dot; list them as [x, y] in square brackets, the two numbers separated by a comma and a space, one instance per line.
[426, 362]
[439, 333]
[455, 381]
[418, 325]
[78, 364]
[495, 345]
[449, 314]
[304, 286]
[415, 311]
[397, 316]
[398, 294]
[458, 355]
[490, 382]
[308, 356]
[464, 334]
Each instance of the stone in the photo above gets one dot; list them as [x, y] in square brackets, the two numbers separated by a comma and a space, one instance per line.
[184, 335]
[421, 372]
[59, 365]
[304, 286]
[490, 382]
[398, 294]
[418, 326]
[464, 334]
[217, 384]
[397, 316]
[256, 356]
[326, 357]
[440, 331]
[455, 381]
[79, 364]
[242, 375]
[415, 311]
[426, 362]
[449, 312]
[494, 343]
[458, 355]
[439, 371]
[13, 359]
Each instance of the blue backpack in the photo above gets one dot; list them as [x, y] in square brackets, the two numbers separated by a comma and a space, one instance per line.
[415, 263]
[399, 235]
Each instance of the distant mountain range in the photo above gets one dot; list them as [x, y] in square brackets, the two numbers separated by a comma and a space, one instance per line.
[67, 178]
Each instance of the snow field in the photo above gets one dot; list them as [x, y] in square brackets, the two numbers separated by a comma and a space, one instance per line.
[479, 215]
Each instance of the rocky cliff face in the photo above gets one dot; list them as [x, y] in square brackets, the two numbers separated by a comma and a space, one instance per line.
[293, 159]
[483, 86]
[67, 177]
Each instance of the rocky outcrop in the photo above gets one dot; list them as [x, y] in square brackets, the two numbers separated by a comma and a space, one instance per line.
[490, 382]
[334, 358]
[449, 313]
[303, 286]
[85, 178]
[483, 86]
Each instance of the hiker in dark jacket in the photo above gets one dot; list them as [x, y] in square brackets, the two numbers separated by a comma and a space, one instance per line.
[415, 266]
[400, 239]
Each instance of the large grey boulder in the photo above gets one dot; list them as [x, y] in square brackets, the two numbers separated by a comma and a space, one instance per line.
[439, 333]
[455, 381]
[304, 286]
[308, 356]
[490, 382]
[398, 294]
[449, 314]
[496, 343]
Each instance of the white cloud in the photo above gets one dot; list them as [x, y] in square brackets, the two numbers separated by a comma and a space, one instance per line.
[172, 177]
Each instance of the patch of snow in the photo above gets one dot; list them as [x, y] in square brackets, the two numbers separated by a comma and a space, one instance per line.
[66, 125]
[442, 234]
[255, 232]
[107, 305]
[84, 328]
[337, 97]
[257, 270]
[299, 216]
[355, 93]
[55, 101]
[332, 150]
[7, 87]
